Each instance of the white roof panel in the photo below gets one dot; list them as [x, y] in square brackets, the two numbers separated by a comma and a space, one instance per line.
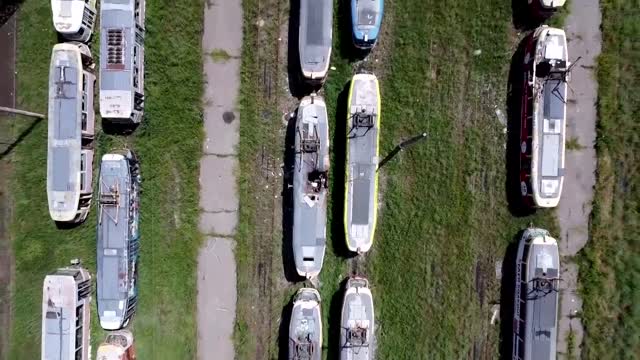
[550, 154]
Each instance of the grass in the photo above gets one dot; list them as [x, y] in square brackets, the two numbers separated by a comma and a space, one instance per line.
[257, 133]
[219, 55]
[571, 345]
[248, 146]
[573, 144]
[610, 267]
[444, 218]
[559, 18]
[169, 146]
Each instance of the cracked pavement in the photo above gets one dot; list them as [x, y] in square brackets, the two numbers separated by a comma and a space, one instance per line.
[583, 33]
[218, 188]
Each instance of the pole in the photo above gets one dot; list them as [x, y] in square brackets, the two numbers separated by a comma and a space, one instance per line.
[21, 112]
[401, 147]
[405, 144]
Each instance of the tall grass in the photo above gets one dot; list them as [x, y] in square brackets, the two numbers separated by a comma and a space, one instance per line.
[610, 266]
[169, 146]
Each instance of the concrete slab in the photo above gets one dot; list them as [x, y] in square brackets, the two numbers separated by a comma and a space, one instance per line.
[218, 184]
[223, 26]
[570, 307]
[222, 36]
[219, 223]
[221, 116]
[583, 33]
[216, 299]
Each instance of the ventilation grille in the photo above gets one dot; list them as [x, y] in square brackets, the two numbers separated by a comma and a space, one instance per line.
[115, 49]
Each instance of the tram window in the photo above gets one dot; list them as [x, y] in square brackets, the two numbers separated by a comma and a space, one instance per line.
[79, 315]
[83, 173]
[78, 340]
[84, 120]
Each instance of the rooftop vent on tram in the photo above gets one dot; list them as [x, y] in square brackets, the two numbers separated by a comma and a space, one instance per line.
[115, 49]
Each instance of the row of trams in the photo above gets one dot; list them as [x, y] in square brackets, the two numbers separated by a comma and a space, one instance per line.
[67, 292]
[71, 142]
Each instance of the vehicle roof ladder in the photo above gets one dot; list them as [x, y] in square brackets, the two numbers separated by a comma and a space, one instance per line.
[110, 198]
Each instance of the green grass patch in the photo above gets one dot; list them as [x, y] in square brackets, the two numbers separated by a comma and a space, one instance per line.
[247, 147]
[559, 18]
[219, 55]
[571, 345]
[169, 146]
[444, 221]
[610, 266]
[573, 144]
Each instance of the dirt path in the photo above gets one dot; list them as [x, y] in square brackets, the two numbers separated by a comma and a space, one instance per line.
[7, 98]
[583, 32]
[222, 47]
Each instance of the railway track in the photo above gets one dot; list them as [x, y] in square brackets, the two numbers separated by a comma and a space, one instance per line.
[268, 215]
